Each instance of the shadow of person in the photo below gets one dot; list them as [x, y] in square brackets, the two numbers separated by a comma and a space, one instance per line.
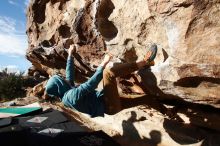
[155, 137]
[131, 136]
[128, 127]
[149, 82]
[149, 85]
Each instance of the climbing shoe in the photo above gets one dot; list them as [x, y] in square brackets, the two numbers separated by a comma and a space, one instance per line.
[150, 55]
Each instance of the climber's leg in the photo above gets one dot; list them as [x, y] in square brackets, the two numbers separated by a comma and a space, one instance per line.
[112, 99]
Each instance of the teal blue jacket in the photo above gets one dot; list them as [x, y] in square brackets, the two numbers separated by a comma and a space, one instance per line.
[83, 98]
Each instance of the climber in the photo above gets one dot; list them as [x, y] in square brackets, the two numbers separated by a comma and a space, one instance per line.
[85, 98]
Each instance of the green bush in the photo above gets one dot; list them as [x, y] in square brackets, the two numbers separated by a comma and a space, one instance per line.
[11, 85]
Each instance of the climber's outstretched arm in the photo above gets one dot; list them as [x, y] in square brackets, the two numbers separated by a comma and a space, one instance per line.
[70, 73]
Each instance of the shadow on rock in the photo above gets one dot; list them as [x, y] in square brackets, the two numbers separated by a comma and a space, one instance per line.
[198, 114]
[186, 134]
[131, 136]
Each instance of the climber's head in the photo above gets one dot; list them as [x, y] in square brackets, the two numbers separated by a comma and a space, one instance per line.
[52, 86]
[56, 86]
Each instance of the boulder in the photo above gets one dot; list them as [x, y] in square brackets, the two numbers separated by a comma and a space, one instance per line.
[186, 32]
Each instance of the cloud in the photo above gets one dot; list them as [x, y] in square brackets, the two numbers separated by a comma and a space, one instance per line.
[13, 45]
[26, 2]
[13, 41]
[7, 24]
[11, 69]
[12, 2]
[22, 5]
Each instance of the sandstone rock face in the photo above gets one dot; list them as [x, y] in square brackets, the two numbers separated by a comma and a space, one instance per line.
[187, 33]
[144, 126]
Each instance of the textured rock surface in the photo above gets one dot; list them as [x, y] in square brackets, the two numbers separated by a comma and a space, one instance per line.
[187, 33]
[145, 125]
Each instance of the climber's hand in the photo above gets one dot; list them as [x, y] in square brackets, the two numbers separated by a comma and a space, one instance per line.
[106, 60]
[76, 46]
[71, 49]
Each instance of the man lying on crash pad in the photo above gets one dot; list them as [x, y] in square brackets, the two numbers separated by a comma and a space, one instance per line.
[84, 97]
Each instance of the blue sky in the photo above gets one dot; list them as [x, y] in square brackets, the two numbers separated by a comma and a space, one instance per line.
[13, 39]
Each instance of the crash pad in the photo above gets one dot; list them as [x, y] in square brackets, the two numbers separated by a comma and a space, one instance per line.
[18, 111]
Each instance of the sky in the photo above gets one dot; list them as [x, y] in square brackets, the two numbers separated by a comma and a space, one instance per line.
[13, 39]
